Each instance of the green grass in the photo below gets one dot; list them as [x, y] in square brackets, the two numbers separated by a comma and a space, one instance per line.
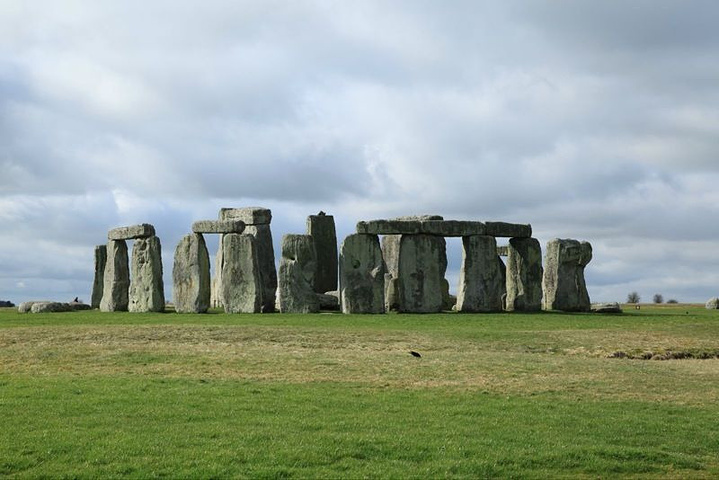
[89, 394]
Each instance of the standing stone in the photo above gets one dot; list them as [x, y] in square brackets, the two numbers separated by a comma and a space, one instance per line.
[257, 223]
[362, 273]
[524, 275]
[191, 275]
[147, 291]
[322, 230]
[241, 286]
[481, 280]
[98, 282]
[297, 275]
[116, 280]
[216, 285]
[422, 265]
[390, 253]
[563, 284]
[266, 263]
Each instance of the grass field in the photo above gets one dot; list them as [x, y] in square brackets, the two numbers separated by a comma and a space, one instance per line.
[88, 394]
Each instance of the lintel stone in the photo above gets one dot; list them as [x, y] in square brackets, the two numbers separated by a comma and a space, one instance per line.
[249, 215]
[510, 230]
[218, 226]
[144, 230]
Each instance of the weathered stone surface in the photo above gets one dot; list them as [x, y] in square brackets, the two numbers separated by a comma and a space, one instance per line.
[612, 307]
[563, 284]
[322, 230]
[712, 304]
[25, 307]
[452, 228]
[503, 250]
[143, 230]
[216, 283]
[50, 307]
[430, 225]
[390, 227]
[191, 275]
[248, 215]
[524, 275]
[147, 290]
[328, 302]
[98, 282]
[422, 265]
[266, 262]
[297, 275]
[79, 306]
[481, 280]
[241, 285]
[116, 281]
[362, 272]
[390, 253]
[218, 226]
[512, 230]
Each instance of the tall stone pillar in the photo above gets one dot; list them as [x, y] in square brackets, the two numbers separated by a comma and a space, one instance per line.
[191, 275]
[524, 275]
[116, 279]
[241, 281]
[422, 266]
[297, 275]
[99, 280]
[322, 230]
[257, 223]
[362, 273]
[390, 253]
[563, 285]
[147, 291]
[481, 279]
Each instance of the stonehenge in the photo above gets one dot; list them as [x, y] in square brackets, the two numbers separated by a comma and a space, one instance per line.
[145, 293]
[563, 284]
[298, 265]
[387, 265]
[191, 275]
[362, 275]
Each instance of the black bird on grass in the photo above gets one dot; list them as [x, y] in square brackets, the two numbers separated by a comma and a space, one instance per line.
[415, 354]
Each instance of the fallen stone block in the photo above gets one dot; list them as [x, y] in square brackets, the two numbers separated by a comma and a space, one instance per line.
[712, 304]
[612, 307]
[50, 307]
[218, 226]
[328, 302]
[132, 232]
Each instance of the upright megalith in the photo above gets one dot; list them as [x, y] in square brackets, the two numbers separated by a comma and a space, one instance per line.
[257, 223]
[390, 253]
[524, 275]
[421, 268]
[481, 279]
[191, 275]
[241, 285]
[147, 291]
[99, 280]
[563, 284]
[321, 228]
[116, 279]
[362, 272]
[297, 275]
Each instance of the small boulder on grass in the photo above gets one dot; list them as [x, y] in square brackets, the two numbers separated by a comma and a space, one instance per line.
[713, 303]
[612, 307]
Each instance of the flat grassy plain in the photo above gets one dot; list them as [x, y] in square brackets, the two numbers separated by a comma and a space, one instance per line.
[89, 394]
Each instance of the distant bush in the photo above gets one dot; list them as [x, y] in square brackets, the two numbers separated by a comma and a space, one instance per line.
[671, 300]
[5, 303]
[633, 297]
[658, 298]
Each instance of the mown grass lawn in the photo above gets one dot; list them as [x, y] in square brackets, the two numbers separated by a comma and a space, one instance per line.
[89, 394]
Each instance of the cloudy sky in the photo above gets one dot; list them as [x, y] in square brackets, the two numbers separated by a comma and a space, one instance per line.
[590, 120]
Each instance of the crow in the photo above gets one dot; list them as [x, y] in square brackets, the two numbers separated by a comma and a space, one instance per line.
[415, 354]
